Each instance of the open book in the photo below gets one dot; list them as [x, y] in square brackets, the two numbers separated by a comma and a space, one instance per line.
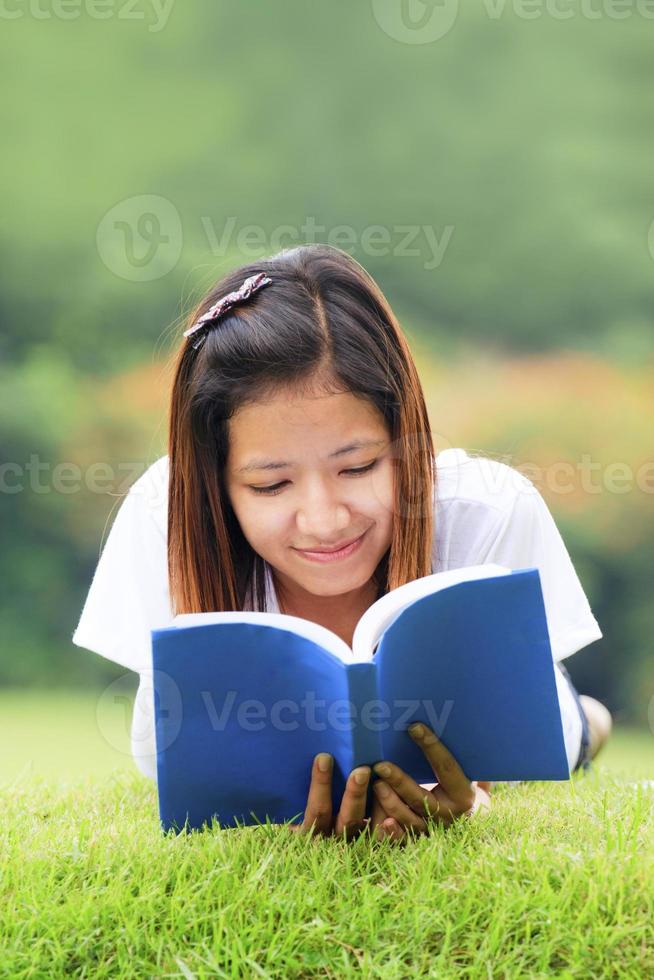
[244, 700]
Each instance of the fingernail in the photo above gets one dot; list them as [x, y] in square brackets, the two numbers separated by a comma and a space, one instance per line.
[361, 776]
[382, 769]
[381, 789]
[324, 761]
[417, 730]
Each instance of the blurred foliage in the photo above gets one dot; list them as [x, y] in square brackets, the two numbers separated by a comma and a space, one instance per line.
[580, 429]
[521, 144]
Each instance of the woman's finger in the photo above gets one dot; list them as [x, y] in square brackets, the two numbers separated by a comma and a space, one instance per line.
[391, 828]
[449, 773]
[351, 817]
[377, 815]
[318, 811]
[381, 825]
[395, 807]
[420, 802]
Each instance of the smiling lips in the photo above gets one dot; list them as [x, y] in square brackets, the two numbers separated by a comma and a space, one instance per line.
[335, 554]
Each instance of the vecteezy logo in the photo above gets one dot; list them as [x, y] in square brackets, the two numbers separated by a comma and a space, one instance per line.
[140, 238]
[650, 239]
[415, 21]
[126, 720]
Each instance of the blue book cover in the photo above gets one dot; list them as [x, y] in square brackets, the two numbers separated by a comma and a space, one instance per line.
[244, 701]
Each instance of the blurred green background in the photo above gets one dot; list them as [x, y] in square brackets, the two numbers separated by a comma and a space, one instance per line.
[490, 166]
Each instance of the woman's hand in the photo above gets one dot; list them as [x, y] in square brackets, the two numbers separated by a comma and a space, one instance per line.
[404, 807]
[351, 818]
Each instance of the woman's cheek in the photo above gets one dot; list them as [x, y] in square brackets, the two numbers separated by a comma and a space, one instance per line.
[264, 522]
[249, 514]
[383, 490]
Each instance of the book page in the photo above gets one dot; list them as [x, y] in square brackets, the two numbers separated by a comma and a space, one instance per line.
[370, 628]
[303, 627]
[378, 617]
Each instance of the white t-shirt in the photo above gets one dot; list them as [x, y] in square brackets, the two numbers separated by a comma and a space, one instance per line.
[484, 511]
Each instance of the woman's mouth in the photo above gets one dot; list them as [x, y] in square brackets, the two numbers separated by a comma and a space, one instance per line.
[327, 556]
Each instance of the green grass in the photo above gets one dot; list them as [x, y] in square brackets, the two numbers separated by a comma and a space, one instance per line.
[558, 879]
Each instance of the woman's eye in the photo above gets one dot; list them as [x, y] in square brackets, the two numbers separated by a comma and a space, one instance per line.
[277, 486]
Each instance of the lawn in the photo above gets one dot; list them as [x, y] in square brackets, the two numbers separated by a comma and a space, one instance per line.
[558, 879]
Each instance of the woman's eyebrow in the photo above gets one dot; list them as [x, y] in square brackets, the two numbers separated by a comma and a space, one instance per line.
[267, 464]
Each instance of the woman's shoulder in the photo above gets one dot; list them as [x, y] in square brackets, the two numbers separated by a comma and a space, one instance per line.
[150, 491]
[475, 496]
[478, 480]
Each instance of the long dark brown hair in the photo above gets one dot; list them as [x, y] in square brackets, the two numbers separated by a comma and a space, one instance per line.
[322, 324]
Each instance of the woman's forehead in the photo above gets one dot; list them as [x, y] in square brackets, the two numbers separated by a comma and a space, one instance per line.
[288, 425]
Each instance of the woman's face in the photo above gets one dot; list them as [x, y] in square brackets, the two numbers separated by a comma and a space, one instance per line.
[291, 483]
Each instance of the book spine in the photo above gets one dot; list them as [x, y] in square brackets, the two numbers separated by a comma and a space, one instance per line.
[365, 709]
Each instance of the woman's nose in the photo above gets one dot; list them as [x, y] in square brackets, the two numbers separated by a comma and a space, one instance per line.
[323, 519]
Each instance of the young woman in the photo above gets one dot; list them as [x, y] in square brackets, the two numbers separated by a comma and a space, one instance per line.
[301, 478]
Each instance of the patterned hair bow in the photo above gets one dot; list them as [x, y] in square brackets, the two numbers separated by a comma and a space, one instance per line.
[248, 287]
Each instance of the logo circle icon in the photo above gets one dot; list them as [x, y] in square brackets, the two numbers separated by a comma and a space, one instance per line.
[416, 21]
[650, 239]
[140, 238]
[126, 720]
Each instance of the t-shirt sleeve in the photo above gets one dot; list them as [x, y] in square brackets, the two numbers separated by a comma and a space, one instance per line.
[527, 537]
[129, 593]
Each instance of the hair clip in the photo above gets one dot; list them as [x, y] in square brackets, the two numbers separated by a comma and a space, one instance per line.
[245, 290]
